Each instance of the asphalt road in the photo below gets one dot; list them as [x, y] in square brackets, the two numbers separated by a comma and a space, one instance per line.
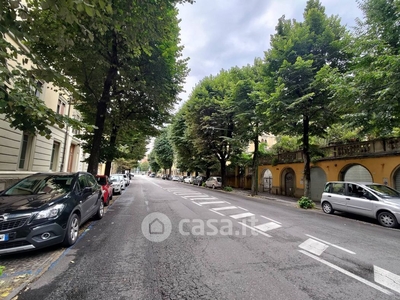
[207, 244]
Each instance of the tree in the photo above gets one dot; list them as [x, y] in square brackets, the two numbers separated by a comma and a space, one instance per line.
[155, 167]
[301, 55]
[144, 166]
[211, 119]
[21, 75]
[249, 118]
[164, 153]
[370, 88]
[102, 56]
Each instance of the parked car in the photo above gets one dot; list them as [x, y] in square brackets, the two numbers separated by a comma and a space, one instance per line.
[372, 200]
[120, 178]
[175, 178]
[188, 179]
[198, 180]
[152, 175]
[117, 184]
[46, 209]
[214, 182]
[126, 179]
[107, 187]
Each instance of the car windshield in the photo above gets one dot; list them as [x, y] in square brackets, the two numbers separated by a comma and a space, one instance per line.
[219, 179]
[384, 191]
[42, 184]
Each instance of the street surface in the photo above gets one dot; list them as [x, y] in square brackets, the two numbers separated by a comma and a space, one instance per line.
[168, 240]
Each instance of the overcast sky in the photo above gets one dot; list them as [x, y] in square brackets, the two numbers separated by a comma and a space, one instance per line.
[220, 34]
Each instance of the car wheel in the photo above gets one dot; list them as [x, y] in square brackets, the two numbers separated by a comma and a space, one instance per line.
[198, 184]
[327, 208]
[213, 186]
[71, 234]
[387, 219]
[100, 210]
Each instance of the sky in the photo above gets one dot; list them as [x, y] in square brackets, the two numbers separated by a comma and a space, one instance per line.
[220, 34]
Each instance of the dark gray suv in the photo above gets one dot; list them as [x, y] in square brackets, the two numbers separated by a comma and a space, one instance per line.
[47, 209]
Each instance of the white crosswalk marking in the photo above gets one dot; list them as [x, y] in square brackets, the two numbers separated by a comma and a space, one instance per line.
[314, 246]
[224, 208]
[267, 226]
[241, 216]
[212, 202]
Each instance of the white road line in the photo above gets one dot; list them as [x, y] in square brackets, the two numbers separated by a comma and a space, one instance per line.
[314, 246]
[256, 230]
[207, 198]
[194, 196]
[212, 202]
[217, 212]
[186, 193]
[225, 208]
[271, 220]
[267, 226]
[330, 244]
[243, 208]
[387, 279]
[197, 203]
[241, 216]
[373, 285]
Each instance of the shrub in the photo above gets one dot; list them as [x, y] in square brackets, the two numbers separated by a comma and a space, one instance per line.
[2, 269]
[306, 203]
[228, 189]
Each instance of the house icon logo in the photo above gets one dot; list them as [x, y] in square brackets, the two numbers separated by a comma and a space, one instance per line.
[156, 227]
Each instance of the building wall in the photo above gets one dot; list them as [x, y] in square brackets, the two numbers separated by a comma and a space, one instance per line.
[382, 170]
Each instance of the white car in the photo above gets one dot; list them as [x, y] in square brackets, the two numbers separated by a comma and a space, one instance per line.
[175, 178]
[117, 184]
[188, 179]
[120, 178]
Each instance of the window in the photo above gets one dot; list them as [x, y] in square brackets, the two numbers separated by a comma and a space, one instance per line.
[54, 156]
[61, 107]
[25, 153]
[36, 87]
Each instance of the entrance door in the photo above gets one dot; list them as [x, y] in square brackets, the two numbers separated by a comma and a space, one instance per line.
[289, 184]
[267, 181]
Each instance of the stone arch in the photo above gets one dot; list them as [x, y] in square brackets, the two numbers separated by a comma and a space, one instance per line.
[288, 182]
[355, 172]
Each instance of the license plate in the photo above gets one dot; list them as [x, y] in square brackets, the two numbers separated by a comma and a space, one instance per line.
[3, 237]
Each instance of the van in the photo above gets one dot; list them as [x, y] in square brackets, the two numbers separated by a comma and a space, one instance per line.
[373, 200]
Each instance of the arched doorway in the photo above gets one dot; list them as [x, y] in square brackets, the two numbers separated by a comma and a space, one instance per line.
[267, 181]
[356, 173]
[396, 179]
[318, 180]
[288, 180]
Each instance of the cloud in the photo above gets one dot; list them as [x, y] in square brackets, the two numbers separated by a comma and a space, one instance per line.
[220, 34]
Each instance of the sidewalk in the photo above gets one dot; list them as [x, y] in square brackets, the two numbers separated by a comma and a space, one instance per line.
[267, 196]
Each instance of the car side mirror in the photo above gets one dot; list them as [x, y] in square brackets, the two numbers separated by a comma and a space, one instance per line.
[87, 190]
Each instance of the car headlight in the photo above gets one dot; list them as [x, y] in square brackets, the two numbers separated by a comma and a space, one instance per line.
[51, 212]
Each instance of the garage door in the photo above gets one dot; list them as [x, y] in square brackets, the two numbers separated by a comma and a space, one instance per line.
[318, 180]
[358, 173]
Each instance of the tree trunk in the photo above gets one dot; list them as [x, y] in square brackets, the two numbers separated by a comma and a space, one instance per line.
[93, 163]
[223, 172]
[113, 141]
[254, 178]
[306, 156]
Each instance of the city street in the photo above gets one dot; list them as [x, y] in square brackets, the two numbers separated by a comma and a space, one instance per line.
[169, 240]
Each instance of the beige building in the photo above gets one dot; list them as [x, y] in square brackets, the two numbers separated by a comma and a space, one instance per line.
[22, 154]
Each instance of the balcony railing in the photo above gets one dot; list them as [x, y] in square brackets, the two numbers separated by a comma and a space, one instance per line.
[354, 149]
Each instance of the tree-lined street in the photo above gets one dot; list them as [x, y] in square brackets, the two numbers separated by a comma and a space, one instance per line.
[222, 246]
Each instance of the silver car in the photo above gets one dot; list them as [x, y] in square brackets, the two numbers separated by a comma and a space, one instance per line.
[372, 200]
[214, 182]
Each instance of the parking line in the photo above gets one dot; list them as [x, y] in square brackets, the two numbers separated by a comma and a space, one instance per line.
[271, 220]
[254, 229]
[216, 212]
[373, 285]
[330, 244]
[212, 202]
